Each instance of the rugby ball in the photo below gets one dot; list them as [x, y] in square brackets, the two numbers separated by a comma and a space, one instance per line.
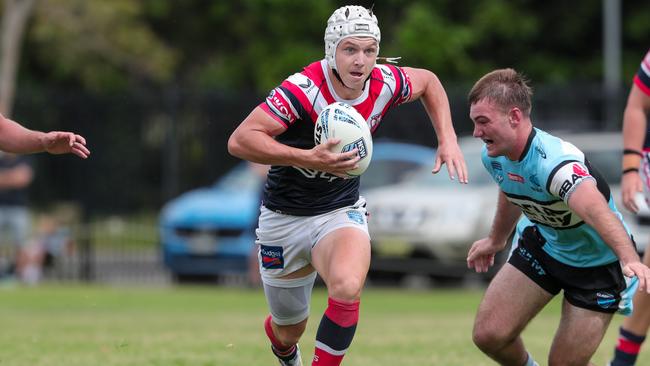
[342, 121]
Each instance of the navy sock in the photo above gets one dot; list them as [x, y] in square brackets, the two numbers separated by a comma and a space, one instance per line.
[627, 349]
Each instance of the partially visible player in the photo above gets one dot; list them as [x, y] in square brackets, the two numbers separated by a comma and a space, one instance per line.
[17, 139]
[313, 220]
[571, 237]
[636, 154]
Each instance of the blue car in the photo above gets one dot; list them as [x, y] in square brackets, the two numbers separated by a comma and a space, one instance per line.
[210, 232]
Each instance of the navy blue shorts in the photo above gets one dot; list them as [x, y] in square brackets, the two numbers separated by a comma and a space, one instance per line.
[599, 288]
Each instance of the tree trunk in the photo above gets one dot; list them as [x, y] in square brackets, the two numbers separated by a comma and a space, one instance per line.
[14, 19]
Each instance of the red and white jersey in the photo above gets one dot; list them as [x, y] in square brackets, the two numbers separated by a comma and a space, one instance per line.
[642, 81]
[642, 77]
[296, 104]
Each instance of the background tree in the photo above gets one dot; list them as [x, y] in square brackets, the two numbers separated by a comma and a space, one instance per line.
[14, 19]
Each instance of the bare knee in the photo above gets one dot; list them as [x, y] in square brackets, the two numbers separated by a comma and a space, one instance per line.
[345, 288]
[491, 339]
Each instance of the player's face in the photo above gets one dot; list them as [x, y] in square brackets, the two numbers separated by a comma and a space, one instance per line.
[355, 58]
[491, 124]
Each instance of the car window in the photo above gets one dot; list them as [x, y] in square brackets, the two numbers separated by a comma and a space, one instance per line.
[240, 178]
[386, 172]
[477, 173]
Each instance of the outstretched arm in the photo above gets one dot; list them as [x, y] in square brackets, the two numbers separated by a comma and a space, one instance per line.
[481, 254]
[427, 87]
[17, 139]
[588, 203]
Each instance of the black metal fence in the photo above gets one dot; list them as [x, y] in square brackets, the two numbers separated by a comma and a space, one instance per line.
[148, 147]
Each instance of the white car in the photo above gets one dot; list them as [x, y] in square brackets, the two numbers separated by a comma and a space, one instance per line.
[430, 216]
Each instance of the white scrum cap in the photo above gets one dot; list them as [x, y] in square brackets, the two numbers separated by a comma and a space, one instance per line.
[349, 21]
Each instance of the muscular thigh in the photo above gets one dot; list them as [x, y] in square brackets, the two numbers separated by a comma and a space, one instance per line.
[287, 242]
[343, 253]
[510, 302]
[578, 336]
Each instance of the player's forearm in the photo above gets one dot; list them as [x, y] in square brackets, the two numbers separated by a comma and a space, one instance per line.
[634, 128]
[258, 147]
[18, 139]
[505, 219]
[612, 231]
[436, 104]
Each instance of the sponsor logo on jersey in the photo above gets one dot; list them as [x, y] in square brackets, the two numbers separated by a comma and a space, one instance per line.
[605, 300]
[541, 152]
[374, 120]
[496, 165]
[387, 73]
[316, 174]
[306, 84]
[303, 82]
[355, 216]
[515, 177]
[579, 173]
[554, 214]
[579, 170]
[272, 257]
[360, 145]
[498, 178]
[278, 105]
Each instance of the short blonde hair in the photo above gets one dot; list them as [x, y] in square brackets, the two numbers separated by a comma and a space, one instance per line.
[506, 88]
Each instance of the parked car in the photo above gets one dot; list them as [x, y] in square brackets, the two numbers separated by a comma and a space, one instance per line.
[429, 216]
[209, 232]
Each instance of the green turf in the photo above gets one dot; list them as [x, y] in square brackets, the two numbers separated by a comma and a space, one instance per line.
[210, 326]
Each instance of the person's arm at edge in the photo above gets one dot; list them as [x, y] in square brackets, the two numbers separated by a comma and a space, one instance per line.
[427, 87]
[634, 132]
[588, 203]
[15, 138]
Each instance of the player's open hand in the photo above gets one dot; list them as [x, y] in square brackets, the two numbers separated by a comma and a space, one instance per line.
[641, 271]
[324, 160]
[450, 154]
[57, 142]
[631, 184]
[481, 255]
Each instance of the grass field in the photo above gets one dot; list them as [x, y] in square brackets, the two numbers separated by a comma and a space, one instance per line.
[211, 326]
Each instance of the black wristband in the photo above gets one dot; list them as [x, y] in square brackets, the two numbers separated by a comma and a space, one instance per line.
[632, 151]
[630, 170]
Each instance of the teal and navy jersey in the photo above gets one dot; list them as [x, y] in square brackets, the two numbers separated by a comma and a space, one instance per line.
[540, 183]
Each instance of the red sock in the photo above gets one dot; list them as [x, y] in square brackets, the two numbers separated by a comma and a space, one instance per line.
[278, 348]
[335, 332]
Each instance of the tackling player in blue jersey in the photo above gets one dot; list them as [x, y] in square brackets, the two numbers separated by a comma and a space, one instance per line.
[571, 237]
